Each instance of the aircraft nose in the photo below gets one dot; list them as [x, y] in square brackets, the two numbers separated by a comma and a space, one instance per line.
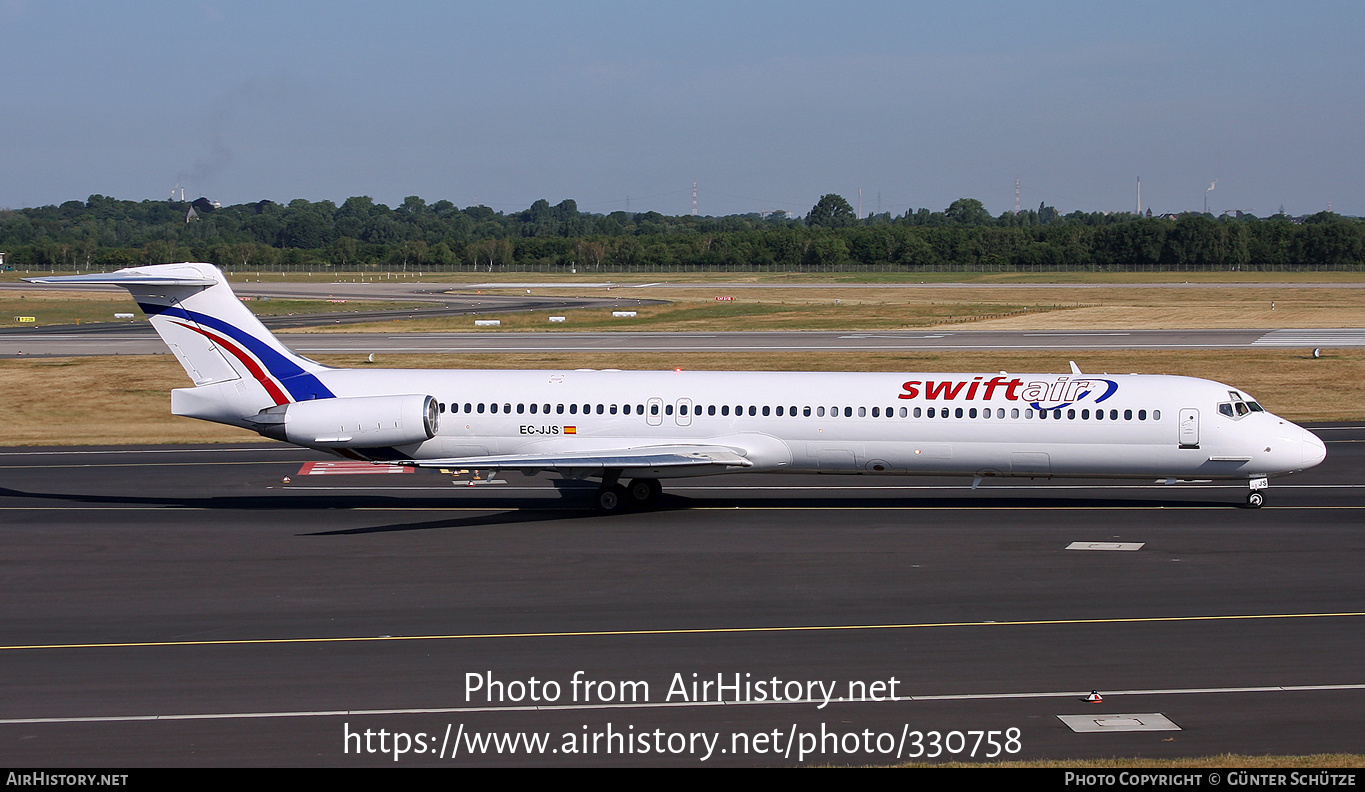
[1314, 451]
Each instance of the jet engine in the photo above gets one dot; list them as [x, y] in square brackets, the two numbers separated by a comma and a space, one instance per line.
[351, 422]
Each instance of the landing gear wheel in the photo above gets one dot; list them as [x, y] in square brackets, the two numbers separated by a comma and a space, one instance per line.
[1255, 500]
[645, 492]
[611, 499]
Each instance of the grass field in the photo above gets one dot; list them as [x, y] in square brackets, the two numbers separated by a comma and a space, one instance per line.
[126, 399]
[68, 308]
[587, 276]
[834, 308]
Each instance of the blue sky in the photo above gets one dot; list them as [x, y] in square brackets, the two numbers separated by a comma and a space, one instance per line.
[625, 104]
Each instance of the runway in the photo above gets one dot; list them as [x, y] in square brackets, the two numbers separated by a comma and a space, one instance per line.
[141, 340]
[188, 607]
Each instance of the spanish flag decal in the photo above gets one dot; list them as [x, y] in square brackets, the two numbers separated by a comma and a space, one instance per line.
[571, 430]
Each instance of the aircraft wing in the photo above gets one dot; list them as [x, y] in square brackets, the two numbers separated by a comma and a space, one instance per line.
[675, 456]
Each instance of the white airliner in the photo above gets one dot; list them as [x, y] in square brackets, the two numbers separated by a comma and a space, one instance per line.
[642, 426]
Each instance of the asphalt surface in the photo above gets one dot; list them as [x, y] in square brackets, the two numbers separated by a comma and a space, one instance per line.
[188, 607]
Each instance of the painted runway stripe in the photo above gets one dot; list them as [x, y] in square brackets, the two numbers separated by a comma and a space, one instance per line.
[1062, 694]
[688, 631]
[201, 450]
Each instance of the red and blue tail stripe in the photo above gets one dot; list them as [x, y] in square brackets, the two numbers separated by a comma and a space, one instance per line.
[283, 378]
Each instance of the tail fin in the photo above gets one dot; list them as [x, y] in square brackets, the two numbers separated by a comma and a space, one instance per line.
[216, 338]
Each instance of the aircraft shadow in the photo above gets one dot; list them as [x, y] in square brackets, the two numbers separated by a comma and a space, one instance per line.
[578, 504]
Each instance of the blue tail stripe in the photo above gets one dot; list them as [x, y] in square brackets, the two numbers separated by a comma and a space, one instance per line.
[302, 385]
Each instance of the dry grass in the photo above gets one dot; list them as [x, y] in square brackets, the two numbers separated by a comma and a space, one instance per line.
[68, 308]
[836, 308]
[99, 401]
[125, 399]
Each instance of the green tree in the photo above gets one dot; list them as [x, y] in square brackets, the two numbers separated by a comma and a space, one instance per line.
[831, 211]
[967, 211]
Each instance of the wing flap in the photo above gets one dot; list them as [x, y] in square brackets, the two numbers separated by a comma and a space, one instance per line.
[683, 456]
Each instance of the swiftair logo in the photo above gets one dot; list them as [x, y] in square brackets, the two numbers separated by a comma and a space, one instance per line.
[1059, 392]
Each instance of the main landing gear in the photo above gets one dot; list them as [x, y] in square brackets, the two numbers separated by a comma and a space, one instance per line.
[1256, 497]
[611, 497]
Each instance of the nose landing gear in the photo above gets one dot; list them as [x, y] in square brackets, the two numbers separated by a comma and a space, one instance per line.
[1256, 497]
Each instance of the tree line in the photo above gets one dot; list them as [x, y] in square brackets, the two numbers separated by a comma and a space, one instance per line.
[106, 233]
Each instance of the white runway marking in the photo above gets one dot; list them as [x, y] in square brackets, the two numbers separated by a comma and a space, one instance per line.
[1074, 694]
[1146, 721]
[1105, 546]
[1341, 337]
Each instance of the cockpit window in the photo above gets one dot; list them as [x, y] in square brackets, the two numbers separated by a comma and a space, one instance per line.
[1242, 408]
[1225, 409]
[1255, 407]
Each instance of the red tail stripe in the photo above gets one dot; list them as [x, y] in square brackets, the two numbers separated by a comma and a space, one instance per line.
[246, 360]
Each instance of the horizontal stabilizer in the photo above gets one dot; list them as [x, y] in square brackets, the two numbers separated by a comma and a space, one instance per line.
[679, 456]
[124, 278]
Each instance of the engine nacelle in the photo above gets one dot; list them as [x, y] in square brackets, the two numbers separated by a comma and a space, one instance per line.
[351, 422]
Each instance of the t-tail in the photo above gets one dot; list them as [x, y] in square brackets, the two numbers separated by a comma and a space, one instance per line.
[239, 368]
